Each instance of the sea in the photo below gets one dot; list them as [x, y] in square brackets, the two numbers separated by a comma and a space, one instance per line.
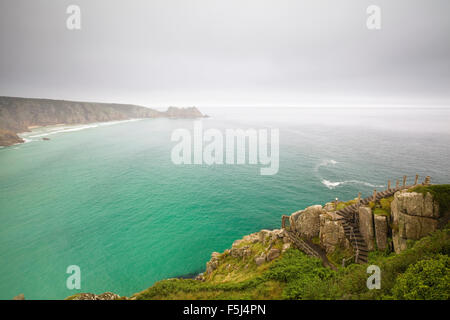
[108, 197]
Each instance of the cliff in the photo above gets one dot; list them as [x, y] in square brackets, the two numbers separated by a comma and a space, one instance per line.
[19, 114]
[268, 265]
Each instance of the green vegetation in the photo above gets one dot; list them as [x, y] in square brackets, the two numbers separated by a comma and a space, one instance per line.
[440, 192]
[383, 207]
[299, 274]
[420, 272]
[338, 254]
[427, 279]
[342, 205]
[381, 212]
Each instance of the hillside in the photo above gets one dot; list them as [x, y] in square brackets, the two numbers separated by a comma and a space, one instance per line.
[20, 114]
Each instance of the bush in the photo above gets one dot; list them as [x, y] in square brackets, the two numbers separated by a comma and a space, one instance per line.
[303, 275]
[427, 279]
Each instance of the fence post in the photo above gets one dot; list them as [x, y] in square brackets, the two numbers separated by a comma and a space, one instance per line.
[404, 180]
[389, 184]
[416, 179]
[374, 195]
[427, 180]
[397, 183]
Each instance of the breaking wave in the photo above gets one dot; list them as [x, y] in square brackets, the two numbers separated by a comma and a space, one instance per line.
[332, 185]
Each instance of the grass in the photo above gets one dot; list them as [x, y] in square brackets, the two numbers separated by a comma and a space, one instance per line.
[381, 212]
[342, 205]
[296, 276]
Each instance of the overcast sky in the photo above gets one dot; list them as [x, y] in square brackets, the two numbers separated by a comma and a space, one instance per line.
[227, 52]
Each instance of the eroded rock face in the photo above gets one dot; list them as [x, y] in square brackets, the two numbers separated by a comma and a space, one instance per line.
[307, 222]
[414, 216]
[366, 226]
[212, 264]
[416, 204]
[332, 233]
[381, 232]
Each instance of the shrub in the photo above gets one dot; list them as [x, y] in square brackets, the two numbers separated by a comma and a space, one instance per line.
[427, 279]
[303, 275]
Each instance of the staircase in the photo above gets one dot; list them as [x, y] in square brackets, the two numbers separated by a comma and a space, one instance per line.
[308, 247]
[350, 222]
[349, 217]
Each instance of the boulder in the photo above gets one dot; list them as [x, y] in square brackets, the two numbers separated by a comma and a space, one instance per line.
[263, 235]
[332, 233]
[286, 246]
[307, 222]
[381, 232]
[273, 254]
[366, 226]
[260, 260]
[19, 297]
[241, 252]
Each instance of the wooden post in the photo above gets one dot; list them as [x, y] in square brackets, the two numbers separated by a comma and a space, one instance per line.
[374, 195]
[389, 184]
[427, 180]
[416, 179]
[397, 183]
[359, 199]
[404, 180]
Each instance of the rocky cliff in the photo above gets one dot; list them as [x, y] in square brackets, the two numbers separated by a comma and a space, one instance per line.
[260, 265]
[19, 114]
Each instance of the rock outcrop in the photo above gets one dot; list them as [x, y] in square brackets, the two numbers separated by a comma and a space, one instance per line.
[244, 249]
[307, 222]
[332, 233]
[190, 112]
[414, 216]
[18, 114]
[92, 296]
[381, 232]
[366, 226]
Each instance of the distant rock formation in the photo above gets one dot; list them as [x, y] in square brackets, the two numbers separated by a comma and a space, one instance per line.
[19, 114]
[192, 112]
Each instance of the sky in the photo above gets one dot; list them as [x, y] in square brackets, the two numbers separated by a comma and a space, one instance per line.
[160, 53]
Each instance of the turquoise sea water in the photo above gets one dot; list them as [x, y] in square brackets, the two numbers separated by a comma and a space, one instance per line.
[109, 199]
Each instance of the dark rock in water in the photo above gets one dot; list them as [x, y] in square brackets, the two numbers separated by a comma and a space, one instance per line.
[46, 139]
[19, 297]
